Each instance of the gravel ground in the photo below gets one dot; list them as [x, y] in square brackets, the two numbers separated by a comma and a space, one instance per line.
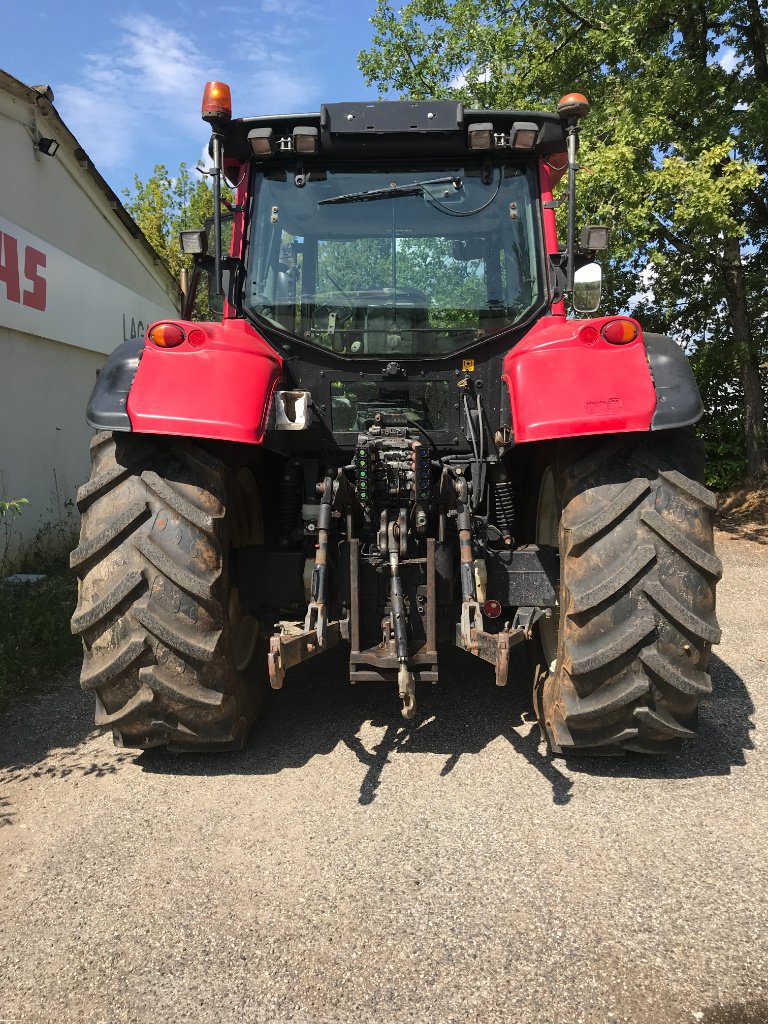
[347, 868]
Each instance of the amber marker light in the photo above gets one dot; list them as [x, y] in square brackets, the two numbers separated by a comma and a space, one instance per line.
[573, 104]
[619, 332]
[166, 335]
[217, 102]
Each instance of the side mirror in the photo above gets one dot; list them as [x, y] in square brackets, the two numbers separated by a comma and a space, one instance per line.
[587, 286]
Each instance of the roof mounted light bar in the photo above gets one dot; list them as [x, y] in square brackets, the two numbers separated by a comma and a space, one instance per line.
[416, 128]
[264, 143]
[522, 135]
[305, 140]
[480, 136]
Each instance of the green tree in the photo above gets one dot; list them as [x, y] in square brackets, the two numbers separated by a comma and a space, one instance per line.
[163, 206]
[676, 146]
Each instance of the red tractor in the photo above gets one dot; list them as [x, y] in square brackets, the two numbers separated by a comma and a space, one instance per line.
[392, 437]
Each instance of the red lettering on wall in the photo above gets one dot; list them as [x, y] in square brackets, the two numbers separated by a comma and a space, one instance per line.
[34, 262]
[9, 266]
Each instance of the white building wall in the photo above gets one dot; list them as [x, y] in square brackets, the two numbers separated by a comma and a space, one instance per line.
[76, 279]
[43, 435]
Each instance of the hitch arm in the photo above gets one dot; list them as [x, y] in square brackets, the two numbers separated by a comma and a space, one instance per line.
[494, 647]
[287, 651]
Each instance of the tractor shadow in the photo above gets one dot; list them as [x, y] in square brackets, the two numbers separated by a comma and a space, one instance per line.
[724, 735]
[45, 733]
[317, 709]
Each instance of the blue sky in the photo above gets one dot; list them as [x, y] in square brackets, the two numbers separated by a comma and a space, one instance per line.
[128, 82]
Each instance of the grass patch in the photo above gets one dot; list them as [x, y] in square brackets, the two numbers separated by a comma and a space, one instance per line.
[35, 638]
[36, 642]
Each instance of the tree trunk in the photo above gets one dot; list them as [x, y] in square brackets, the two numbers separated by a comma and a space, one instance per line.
[749, 361]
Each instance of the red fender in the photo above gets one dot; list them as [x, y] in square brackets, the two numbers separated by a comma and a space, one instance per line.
[218, 383]
[564, 381]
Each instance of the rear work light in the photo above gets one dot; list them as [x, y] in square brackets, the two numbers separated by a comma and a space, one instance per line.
[619, 332]
[262, 142]
[166, 335]
[523, 135]
[305, 140]
[480, 135]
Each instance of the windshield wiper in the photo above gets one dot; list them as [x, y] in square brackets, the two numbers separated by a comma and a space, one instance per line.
[414, 188]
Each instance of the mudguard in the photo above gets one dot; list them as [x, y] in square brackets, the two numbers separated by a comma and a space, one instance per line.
[679, 403]
[108, 404]
[217, 384]
[564, 381]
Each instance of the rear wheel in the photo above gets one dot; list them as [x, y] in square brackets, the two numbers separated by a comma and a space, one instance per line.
[637, 595]
[168, 652]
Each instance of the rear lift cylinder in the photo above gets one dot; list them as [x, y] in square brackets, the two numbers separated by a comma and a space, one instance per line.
[467, 558]
[317, 613]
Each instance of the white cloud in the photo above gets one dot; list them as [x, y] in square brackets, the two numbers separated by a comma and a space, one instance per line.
[161, 61]
[154, 74]
[102, 122]
[729, 60]
[147, 87]
[461, 81]
[646, 277]
[296, 11]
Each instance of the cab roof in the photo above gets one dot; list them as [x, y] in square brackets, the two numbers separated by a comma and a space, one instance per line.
[420, 128]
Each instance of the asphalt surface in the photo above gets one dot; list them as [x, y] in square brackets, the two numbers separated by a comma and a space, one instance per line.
[348, 868]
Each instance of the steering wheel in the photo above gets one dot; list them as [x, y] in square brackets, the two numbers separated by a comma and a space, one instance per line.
[321, 318]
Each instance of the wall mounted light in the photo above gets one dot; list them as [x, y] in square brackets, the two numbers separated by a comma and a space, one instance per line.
[47, 146]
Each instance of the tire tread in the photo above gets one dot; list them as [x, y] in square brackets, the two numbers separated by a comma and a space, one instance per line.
[638, 577]
[152, 600]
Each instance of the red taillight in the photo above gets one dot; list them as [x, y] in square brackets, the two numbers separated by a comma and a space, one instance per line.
[217, 102]
[166, 335]
[588, 335]
[196, 338]
[492, 609]
[619, 332]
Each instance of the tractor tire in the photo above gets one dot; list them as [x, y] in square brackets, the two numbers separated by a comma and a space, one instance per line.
[170, 659]
[637, 596]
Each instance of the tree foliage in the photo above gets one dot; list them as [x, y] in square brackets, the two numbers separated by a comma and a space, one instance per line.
[163, 206]
[675, 154]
